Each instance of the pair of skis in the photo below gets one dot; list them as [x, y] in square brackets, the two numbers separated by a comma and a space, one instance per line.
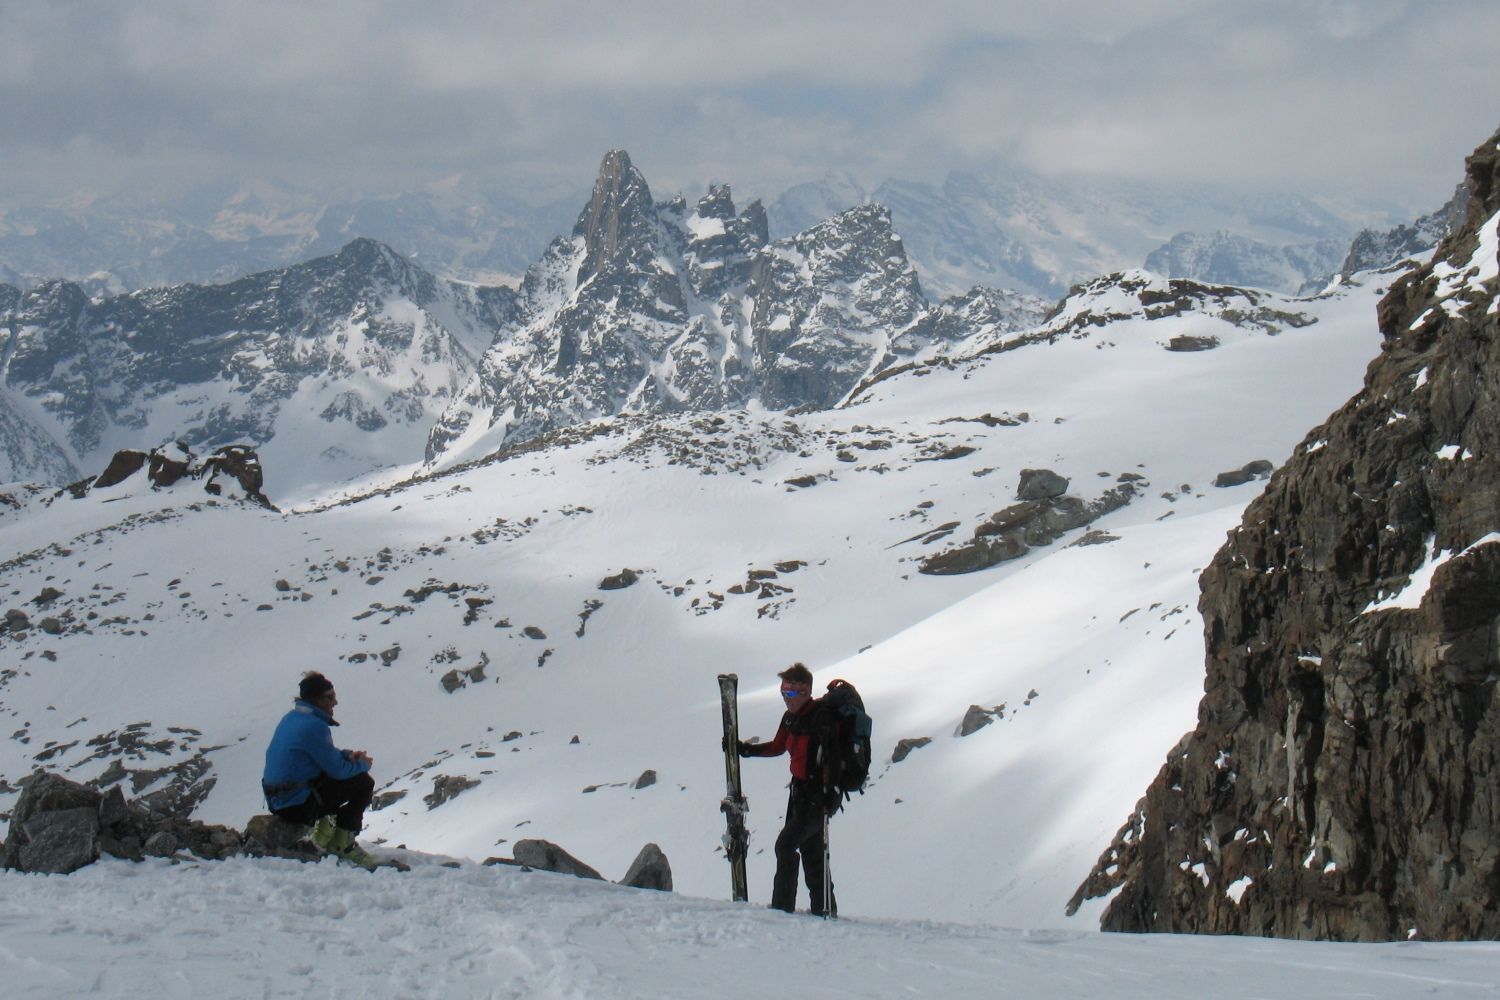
[734, 806]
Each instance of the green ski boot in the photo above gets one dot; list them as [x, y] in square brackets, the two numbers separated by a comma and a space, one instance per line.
[346, 848]
[322, 833]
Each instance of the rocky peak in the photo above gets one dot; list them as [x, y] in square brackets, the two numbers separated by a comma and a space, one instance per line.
[620, 214]
[1340, 783]
[1372, 249]
[717, 204]
[692, 309]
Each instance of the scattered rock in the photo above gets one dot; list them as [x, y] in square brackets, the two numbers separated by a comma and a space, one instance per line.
[384, 800]
[447, 786]
[621, 580]
[546, 856]
[646, 780]
[906, 746]
[649, 870]
[976, 718]
[1040, 484]
[1188, 343]
[47, 596]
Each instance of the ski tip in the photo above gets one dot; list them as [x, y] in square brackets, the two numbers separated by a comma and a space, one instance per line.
[732, 678]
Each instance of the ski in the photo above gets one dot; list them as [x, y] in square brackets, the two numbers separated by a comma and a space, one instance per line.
[734, 806]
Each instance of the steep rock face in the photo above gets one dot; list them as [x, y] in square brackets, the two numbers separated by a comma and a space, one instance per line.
[1372, 249]
[651, 307]
[343, 345]
[1340, 783]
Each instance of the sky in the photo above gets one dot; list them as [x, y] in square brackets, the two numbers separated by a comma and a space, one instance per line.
[1378, 99]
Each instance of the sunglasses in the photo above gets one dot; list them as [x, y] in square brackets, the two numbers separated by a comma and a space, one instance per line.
[791, 693]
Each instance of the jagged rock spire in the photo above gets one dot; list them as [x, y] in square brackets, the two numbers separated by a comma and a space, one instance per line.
[619, 212]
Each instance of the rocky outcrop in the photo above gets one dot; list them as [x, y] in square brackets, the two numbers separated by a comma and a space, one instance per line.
[1374, 249]
[1340, 782]
[1043, 514]
[233, 471]
[59, 826]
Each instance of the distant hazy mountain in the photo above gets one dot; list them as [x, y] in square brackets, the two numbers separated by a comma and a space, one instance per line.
[219, 233]
[1015, 229]
[1006, 228]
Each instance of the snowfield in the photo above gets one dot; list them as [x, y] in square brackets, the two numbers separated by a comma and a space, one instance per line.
[463, 621]
[275, 928]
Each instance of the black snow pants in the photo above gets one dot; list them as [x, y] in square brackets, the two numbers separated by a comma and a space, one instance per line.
[801, 836]
[346, 801]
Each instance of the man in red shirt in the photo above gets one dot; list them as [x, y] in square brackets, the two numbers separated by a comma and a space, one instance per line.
[806, 807]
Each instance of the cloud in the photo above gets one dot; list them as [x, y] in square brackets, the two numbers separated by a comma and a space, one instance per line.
[1377, 96]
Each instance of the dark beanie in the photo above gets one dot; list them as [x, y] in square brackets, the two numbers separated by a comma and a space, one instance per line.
[314, 685]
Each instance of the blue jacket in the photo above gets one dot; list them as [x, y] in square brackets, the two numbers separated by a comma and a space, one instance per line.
[302, 749]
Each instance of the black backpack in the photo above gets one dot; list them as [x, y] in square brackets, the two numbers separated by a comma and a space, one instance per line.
[843, 743]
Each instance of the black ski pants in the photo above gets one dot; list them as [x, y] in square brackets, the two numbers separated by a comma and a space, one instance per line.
[346, 801]
[801, 837]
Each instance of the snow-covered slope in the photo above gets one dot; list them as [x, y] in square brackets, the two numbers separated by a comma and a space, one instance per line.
[276, 928]
[463, 619]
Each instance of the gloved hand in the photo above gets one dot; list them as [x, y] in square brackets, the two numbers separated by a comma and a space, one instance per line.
[745, 749]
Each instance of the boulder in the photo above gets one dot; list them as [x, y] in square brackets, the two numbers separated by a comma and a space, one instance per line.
[274, 835]
[44, 792]
[1040, 484]
[649, 870]
[621, 580]
[906, 746]
[548, 857]
[975, 719]
[161, 844]
[59, 841]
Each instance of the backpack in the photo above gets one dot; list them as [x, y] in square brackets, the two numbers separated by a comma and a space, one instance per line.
[843, 743]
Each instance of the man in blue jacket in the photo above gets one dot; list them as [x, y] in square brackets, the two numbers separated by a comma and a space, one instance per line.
[310, 782]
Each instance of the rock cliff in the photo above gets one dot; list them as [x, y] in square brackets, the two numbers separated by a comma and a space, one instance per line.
[1343, 780]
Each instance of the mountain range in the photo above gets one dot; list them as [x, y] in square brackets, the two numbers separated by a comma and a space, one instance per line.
[687, 447]
[645, 307]
[1004, 228]
[512, 679]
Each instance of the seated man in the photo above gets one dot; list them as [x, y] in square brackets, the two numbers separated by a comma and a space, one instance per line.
[310, 782]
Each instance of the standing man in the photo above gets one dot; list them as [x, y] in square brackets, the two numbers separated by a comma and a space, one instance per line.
[310, 782]
[806, 806]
